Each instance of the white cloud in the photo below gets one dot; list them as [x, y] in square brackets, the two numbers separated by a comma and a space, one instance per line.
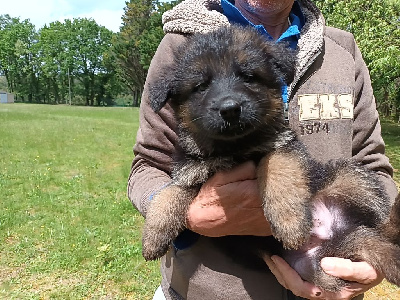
[41, 12]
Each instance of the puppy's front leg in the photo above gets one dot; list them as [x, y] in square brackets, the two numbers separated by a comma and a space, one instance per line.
[165, 219]
[283, 184]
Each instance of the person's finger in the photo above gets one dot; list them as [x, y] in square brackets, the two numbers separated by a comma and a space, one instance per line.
[360, 272]
[350, 291]
[291, 280]
[271, 265]
[241, 194]
[296, 284]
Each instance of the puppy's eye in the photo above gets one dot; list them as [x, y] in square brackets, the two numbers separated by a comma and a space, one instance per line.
[201, 87]
[248, 78]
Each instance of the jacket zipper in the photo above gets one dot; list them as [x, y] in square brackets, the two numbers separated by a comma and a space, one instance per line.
[304, 70]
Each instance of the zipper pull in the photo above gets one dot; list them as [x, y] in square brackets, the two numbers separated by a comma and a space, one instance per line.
[286, 112]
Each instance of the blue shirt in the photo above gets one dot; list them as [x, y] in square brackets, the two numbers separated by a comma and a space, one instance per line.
[290, 36]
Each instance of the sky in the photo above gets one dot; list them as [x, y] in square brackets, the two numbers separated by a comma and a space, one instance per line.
[40, 12]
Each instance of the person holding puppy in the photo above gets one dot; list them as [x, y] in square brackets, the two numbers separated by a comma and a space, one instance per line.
[329, 105]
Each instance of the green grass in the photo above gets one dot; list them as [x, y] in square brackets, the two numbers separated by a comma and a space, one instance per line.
[391, 135]
[67, 229]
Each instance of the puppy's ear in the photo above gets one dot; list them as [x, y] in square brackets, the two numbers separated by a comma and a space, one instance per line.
[283, 60]
[286, 65]
[159, 92]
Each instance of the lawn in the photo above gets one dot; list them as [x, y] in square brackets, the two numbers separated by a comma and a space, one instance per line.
[67, 229]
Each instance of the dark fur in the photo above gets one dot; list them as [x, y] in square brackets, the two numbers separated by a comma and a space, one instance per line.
[225, 91]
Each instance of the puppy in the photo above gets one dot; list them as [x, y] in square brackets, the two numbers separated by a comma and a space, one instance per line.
[225, 89]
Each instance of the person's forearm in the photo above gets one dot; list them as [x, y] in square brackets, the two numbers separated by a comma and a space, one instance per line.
[156, 138]
[144, 181]
[368, 145]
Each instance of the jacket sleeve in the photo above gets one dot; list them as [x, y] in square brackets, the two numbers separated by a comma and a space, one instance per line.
[156, 137]
[368, 146]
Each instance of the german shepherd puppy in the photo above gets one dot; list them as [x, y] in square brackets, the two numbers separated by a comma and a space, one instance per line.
[225, 89]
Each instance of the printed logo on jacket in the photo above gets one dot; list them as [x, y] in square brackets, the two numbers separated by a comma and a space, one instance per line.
[325, 106]
[322, 107]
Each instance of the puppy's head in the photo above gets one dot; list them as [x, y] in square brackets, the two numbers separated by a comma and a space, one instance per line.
[226, 84]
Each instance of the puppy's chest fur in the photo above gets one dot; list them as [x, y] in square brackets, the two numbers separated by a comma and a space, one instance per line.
[200, 157]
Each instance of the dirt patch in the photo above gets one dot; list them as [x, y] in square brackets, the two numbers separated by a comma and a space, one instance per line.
[8, 273]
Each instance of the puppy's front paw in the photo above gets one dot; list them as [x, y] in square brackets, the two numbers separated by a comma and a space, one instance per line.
[165, 219]
[291, 226]
[294, 236]
[284, 186]
[154, 244]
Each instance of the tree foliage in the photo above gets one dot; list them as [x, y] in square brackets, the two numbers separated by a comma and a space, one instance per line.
[80, 60]
[60, 60]
[53, 55]
[87, 43]
[376, 27]
[137, 41]
[17, 61]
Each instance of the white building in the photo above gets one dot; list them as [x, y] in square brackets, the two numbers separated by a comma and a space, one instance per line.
[6, 97]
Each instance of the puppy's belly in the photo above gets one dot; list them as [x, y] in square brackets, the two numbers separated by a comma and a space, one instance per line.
[330, 224]
[328, 221]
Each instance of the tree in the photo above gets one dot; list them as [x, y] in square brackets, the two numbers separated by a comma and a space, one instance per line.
[376, 27]
[73, 53]
[87, 43]
[17, 61]
[137, 41]
[39, 66]
[55, 61]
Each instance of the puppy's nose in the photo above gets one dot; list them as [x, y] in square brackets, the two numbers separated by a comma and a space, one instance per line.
[230, 110]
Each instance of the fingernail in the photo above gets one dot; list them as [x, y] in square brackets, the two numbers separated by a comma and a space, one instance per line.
[327, 264]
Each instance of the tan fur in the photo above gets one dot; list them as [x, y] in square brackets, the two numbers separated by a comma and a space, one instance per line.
[288, 209]
[186, 118]
[345, 182]
[159, 230]
[391, 227]
[275, 106]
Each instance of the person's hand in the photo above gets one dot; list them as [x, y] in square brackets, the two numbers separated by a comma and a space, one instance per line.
[361, 274]
[229, 204]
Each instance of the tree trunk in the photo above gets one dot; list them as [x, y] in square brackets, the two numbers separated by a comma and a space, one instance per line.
[136, 97]
[385, 104]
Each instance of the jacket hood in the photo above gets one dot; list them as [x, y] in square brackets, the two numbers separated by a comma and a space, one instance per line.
[193, 16]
